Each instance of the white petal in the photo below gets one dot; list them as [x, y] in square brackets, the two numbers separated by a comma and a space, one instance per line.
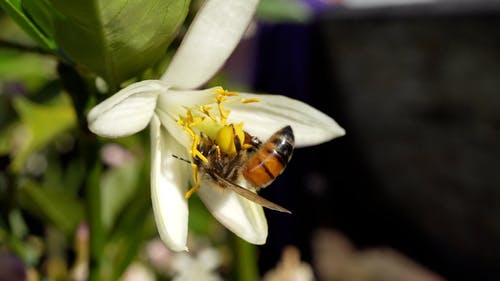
[262, 119]
[174, 103]
[243, 217]
[126, 112]
[169, 177]
[209, 41]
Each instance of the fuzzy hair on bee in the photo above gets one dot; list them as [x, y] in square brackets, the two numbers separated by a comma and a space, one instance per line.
[255, 163]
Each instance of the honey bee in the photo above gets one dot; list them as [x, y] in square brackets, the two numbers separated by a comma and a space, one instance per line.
[257, 163]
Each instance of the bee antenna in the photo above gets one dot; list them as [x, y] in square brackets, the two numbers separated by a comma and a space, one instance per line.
[180, 158]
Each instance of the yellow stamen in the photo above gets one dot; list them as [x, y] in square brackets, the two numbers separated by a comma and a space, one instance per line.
[224, 136]
[220, 99]
[191, 120]
[222, 92]
[250, 100]
[206, 110]
[190, 131]
[195, 173]
[191, 191]
[223, 114]
[194, 149]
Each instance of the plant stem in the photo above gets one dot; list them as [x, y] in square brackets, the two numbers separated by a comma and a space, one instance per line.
[97, 239]
[246, 267]
[30, 49]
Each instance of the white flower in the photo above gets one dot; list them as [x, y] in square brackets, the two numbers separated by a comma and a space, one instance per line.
[138, 272]
[174, 111]
[290, 267]
[200, 268]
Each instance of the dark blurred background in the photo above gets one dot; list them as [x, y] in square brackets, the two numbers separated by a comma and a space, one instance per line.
[417, 89]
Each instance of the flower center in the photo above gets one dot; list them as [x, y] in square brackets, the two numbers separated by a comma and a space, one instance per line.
[211, 120]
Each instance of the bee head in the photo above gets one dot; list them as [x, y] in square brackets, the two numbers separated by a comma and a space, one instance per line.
[205, 144]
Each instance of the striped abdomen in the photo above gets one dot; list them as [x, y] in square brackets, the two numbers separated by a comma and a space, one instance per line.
[270, 159]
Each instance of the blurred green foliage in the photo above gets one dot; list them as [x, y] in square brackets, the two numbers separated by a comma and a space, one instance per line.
[56, 183]
[284, 11]
[52, 178]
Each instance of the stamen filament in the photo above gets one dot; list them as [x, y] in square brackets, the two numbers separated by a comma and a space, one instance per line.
[192, 190]
[195, 172]
[223, 114]
[206, 110]
[194, 148]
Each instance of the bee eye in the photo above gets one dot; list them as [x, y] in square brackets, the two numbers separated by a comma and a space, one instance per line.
[225, 138]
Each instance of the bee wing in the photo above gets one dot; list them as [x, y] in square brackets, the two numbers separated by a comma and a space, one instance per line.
[252, 196]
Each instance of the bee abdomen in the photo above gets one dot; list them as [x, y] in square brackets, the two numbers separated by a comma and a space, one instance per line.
[270, 159]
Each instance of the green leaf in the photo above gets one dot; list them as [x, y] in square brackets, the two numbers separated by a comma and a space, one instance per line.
[117, 189]
[17, 223]
[117, 39]
[42, 123]
[42, 12]
[135, 226]
[64, 211]
[6, 139]
[283, 11]
[30, 70]
[132, 227]
[65, 177]
[15, 9]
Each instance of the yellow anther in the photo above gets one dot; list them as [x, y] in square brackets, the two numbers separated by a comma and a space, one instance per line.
[191, 191]
[206, 110]
[250, 100]
[189, 117]
[222, 92]
[227, 138]
[192, 121]
[220, 99]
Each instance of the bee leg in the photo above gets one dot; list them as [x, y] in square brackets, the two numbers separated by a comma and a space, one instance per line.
[217, 150]
[251, 142]
[237, 142]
